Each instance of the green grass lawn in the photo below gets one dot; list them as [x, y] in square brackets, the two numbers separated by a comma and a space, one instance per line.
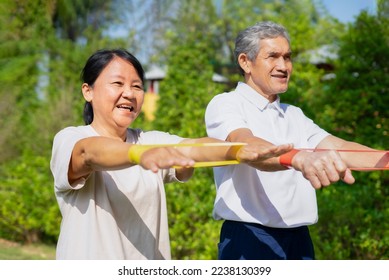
[14, 251]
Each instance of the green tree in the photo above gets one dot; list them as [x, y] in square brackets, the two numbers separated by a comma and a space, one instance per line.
[355, 103]
[28, 210]
[20, 51]
[352, 221]
[185, 92]
[40, 94]
[72, 17]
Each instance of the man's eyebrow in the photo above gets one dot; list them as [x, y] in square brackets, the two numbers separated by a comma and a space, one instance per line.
[273, 53]
[279, 53]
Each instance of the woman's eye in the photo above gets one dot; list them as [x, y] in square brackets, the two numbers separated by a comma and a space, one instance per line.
[138, 87]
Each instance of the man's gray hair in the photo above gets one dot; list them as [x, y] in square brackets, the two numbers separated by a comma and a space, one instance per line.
[248, 40]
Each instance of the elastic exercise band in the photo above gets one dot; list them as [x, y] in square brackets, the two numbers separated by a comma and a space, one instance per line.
[286, 159]
[135, 152]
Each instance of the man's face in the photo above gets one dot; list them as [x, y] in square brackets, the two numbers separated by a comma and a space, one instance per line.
[270, 71]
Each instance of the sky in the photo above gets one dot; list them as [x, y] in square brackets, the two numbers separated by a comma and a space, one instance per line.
[347, 10]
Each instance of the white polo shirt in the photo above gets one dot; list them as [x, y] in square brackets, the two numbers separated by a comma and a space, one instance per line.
[116, 214]
[281, 199]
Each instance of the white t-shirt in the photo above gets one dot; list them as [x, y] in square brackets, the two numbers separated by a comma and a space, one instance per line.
[112, 214]
[279, 199]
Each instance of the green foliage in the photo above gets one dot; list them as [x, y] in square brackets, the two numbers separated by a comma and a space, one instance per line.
[188, 86]
[73, 17]
[185, 93]
[20, 52]
[355, 106]
[28, 209]
[352, 222]
[193, 232]
[40, 94]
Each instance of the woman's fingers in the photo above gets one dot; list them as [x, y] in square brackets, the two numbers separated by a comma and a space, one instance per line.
[164, 157]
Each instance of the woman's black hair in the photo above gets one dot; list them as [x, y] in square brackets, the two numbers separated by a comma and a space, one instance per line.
[96, 64]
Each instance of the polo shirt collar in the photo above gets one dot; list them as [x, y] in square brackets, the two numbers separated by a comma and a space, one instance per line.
[258, 100]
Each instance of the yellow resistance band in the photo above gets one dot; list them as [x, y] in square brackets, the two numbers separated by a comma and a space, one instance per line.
[136, 151]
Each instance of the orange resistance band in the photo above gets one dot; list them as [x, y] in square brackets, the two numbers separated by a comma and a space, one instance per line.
[286, 159]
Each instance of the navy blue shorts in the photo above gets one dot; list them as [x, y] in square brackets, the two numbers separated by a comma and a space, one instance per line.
[247, 241]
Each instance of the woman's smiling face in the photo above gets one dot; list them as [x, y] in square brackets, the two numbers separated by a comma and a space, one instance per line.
[116, 96]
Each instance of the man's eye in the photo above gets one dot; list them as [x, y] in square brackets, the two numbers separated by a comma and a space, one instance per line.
[118, 83]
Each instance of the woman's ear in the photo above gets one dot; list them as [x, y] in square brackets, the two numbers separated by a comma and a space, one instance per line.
[244, 63]
[87, 92]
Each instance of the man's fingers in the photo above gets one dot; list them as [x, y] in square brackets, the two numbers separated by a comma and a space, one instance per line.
[325, 168]
[348, 177]
[315, 182]
[274, 151]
